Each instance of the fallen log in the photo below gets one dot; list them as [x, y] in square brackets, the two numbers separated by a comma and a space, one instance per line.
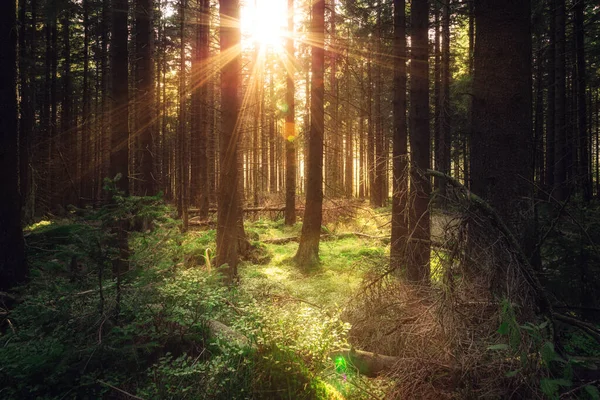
[220, 330]
[284, 240]
[366, 363]
[338, 236]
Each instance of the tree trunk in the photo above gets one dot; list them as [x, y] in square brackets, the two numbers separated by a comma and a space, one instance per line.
[105, 135]
[229, 200]
[377, 186]
[308, 250]
[144, 93]
[68, 139]
[13, 268]
[445, 138]
[26, 75]
[182, 145]
[87, 166]
[550, 114]
[119, 149]
[199, 161]
[290, 128]
[584, 163]
[560, 146]
[419, 250]
[501, 144]
[400, 143]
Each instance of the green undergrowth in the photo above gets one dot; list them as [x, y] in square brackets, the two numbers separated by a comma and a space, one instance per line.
[77, 332]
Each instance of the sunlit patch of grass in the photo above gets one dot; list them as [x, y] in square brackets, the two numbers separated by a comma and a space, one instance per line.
[439, 261]
[38, 225]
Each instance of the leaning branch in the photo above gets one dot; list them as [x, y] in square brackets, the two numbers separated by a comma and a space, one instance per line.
[524, 264]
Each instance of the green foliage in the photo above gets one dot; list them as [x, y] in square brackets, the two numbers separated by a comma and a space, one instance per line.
[65, 337]
[571, 268]
[532, 344]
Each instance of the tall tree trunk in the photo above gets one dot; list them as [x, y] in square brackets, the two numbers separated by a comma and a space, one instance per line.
[119, 126]
[68, 139]
[119, 143]
[418, 267]
[349, 149]
[377, 186]
[229, 196]
[584, 163]
[181, 154]
[437, 90]
[550, 83]
[560, 146]
[308, 251]
[370, 131]
[13, 268]
[501, 145]
[26, 75]
[400, 142]
[54, 138]
[445, 138]
[200, 113]
[272, 133]
[290, 127]
[144, 93]
[105, 135]
[86, 176]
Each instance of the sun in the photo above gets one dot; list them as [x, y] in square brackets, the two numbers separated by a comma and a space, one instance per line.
[264, 22]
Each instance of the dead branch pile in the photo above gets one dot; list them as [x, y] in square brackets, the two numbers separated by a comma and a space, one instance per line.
[441, 333]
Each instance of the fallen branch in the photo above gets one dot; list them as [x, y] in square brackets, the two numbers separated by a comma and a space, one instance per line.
[331, 236]
[219, 329]
[584, 326]
[284, 240]
[119, 390]
[524, 265]
[365, 362]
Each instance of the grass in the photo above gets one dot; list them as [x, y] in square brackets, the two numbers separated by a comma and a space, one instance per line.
[344, 263]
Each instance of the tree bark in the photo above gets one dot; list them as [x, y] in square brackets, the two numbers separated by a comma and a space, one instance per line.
[119, 143]
[550, 114]
[87, 166]
[26, 75]
[229, 200]
[501, 142]
[400, 143]
[290, 127]
[13, 268]
[144, 93]
[560, 146]
[585, 181]
[307, 255]
[419, 248]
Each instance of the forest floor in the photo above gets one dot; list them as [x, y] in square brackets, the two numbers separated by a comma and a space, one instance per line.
[170, 329]
[75, 331]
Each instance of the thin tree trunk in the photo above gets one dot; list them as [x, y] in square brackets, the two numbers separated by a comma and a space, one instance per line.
[560, 147]
[550, 83]
[181, 154]
[119, 150]
[290, 128]
[144, 93]
[584, 164]
[86, 183]
[400, 144]
[445, 138]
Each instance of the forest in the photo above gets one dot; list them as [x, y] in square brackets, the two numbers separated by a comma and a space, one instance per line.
[301, 199]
